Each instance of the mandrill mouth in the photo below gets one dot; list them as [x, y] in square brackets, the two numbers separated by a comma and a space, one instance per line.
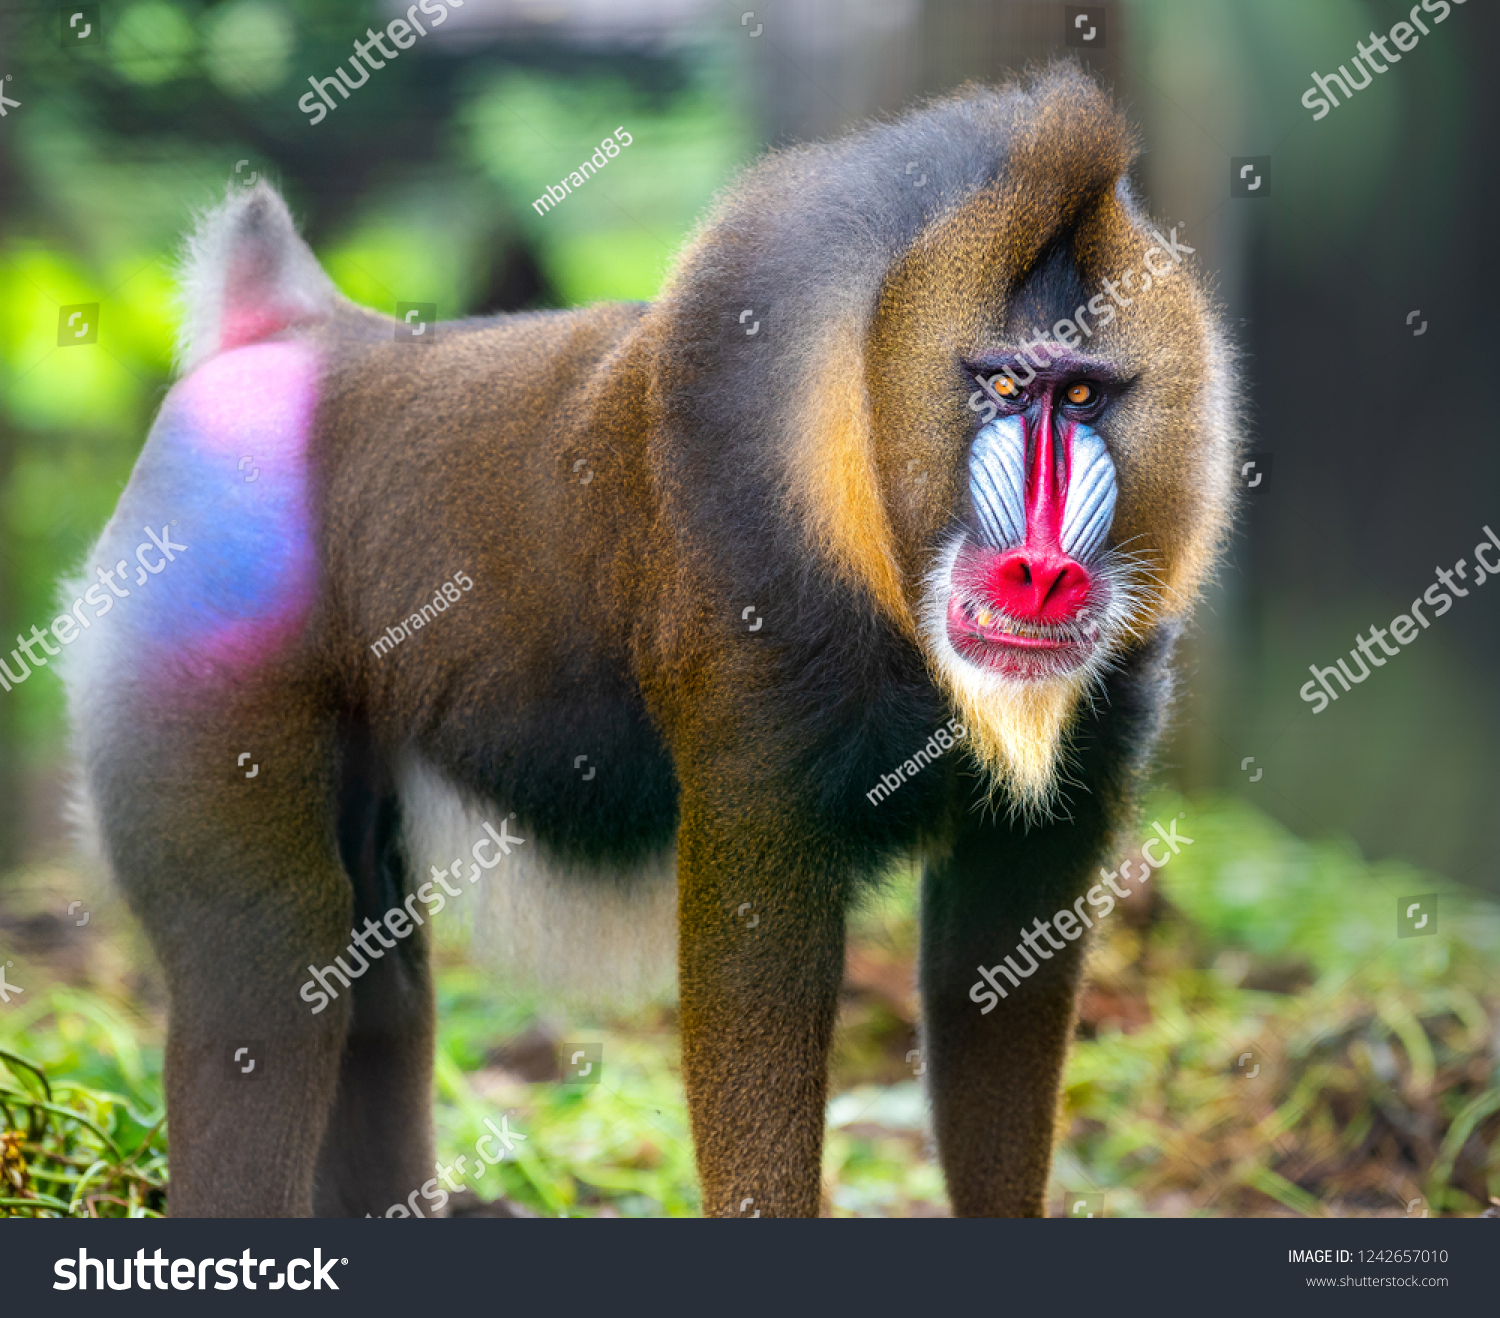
[984, 633]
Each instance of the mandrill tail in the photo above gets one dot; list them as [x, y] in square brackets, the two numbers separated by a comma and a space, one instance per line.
[245, 275]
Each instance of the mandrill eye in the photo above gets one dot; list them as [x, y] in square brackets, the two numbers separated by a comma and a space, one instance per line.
[1081, 394]
[1005, 386]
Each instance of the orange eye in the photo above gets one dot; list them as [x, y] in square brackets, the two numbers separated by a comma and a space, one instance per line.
[1080, 394]
[1005, 387]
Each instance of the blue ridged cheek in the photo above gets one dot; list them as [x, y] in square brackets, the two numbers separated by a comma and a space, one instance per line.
[997, 488]
[997, 482]
[1089, 510]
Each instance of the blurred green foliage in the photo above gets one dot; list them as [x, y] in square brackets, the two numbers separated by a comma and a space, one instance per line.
[1376, 1058]
[163, 115]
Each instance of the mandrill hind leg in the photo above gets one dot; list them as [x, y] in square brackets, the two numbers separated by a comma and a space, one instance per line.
[995, 1075]
[239, 888]
[378, 1150]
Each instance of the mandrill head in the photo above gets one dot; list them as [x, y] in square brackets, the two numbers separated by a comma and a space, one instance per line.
[1044, 353]
[1005, 415]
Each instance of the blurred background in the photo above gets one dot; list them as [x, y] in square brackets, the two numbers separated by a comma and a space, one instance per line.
[1354, 285]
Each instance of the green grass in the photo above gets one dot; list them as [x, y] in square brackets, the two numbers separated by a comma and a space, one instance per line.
[1373, 1076]
[82, 1111]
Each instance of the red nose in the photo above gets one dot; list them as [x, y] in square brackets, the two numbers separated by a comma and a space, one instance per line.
[1037, 583]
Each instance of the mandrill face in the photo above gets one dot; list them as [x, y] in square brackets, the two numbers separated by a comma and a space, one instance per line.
[1031, 598]
[1031, 587]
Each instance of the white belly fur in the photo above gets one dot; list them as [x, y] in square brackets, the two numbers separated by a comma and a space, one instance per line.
[540, 921]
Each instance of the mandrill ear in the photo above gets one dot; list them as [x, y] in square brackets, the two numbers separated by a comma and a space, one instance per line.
[836, 477]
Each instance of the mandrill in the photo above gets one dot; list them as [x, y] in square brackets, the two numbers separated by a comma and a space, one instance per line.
[636, 605]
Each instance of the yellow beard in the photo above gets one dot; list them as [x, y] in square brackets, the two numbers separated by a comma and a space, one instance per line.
[1015, 731]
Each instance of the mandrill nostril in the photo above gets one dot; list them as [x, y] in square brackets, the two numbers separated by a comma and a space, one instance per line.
[1067, 585]
[1038, 587]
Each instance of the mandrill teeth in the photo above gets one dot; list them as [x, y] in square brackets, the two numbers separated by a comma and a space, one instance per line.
[1090, 506]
